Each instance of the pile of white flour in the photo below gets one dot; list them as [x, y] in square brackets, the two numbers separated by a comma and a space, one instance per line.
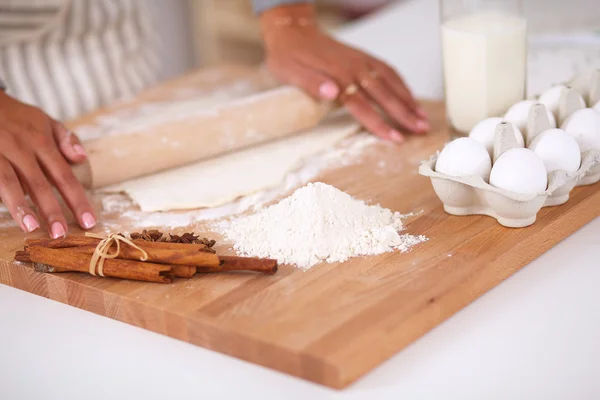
[318, 223]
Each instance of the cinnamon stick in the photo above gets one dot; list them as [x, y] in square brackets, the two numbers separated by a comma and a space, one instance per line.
[64, 242]
[183, 259]
[74, 259]
[233, 263]
[79, 241]
[39, 267]
[22, 256]
[185, 255]
[158, 252]
[170, 246]
[179, 271]
[184, 271]
[205, 262]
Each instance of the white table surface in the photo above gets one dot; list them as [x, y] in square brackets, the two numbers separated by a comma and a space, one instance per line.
[535, 336]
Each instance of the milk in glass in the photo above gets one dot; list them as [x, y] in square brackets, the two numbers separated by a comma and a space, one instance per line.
[484, 62]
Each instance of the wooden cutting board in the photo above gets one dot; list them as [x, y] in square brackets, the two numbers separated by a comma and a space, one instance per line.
[335, 322]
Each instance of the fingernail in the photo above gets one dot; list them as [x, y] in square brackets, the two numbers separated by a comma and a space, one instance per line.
[422, 126]
[329, 90]
[421, 112]
[79, 150]
[57, 230]
[30, 223]
[396, 136]
[88, 220]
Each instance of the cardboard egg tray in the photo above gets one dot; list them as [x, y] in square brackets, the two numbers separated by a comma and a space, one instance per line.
[472, 195]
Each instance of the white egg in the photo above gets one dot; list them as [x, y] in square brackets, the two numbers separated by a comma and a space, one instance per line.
[485, 131]
[551, 98]
[518, 114]
[558, 150]
[464, 157]
[584, 126]
[519, 171]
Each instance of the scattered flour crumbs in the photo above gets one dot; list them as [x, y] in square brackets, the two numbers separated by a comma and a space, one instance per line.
[318, 223]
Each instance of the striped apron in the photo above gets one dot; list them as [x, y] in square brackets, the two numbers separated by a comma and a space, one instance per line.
[72, 56]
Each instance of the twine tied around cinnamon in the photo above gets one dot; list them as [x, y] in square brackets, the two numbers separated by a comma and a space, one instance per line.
[102, 251]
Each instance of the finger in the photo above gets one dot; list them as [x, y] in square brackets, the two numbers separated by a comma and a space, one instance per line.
[315, 83]
[61, 175]
[13, 197]
[395, 82]
[69, 143]
[393, 106]
[44, 198]
[41, 193]
[365, 113]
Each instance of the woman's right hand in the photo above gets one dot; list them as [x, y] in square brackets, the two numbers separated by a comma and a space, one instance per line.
[35, 152]
[300, 53]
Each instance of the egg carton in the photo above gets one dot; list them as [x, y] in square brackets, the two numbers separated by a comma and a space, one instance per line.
[472, 195]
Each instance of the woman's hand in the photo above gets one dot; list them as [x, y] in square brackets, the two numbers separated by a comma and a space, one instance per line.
[300, 54]
[35, 152]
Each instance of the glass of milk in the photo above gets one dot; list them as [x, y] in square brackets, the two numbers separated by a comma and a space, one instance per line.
[484, 55]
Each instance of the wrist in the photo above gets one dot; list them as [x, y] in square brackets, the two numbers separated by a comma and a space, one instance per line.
[292, 16]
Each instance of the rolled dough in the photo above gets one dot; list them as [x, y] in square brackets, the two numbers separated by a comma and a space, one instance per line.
[223, 179]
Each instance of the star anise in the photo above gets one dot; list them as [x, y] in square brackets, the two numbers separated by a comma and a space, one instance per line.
[135, 236]
[148, 235]
[174, 238]
[207, 242]
[155, 235]
[186, 238]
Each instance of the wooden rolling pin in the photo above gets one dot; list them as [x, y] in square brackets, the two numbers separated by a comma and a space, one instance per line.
[191, 137]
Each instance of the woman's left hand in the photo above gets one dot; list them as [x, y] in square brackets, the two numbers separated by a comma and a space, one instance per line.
[300, 54]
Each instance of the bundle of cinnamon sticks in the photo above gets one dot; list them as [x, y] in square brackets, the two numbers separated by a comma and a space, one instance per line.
[163, 259]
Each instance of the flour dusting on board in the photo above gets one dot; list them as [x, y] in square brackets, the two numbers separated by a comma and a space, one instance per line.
[318, 223]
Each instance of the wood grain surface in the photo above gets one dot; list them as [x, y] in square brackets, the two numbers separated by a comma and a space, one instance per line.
[335, 322]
